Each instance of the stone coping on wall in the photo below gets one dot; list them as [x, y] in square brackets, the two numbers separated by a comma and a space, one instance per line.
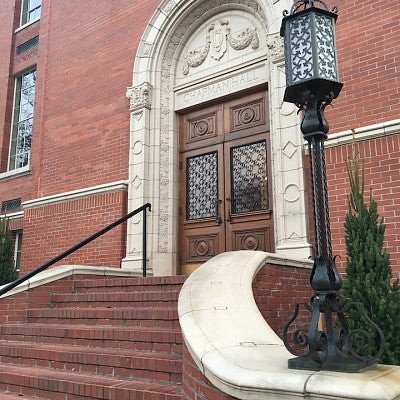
[364, 133]
[63, 271]
[237, 351]
[76, 194]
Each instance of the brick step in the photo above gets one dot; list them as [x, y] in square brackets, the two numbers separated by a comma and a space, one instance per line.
[14, 396]
[121, 363]
[163, 317]
[161, 298]
[67, 385]
[165, 283]
[133, 338]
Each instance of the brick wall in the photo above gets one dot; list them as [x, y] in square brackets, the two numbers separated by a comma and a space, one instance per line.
[85, 62]
[277, 289]
[381, 164]
[369, 58]
[84, 67]
[55, 228]
[195, 385]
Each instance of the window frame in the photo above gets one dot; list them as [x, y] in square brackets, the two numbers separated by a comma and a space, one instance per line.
[17, 123]
[27, 10]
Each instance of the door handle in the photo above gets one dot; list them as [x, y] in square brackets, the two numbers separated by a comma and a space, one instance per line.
[218, 219]
[228, 199]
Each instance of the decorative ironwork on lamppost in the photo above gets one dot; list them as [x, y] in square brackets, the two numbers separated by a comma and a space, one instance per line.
[312, 82]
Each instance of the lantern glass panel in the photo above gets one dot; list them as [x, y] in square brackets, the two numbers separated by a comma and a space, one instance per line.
[325, 40]
[301, 62]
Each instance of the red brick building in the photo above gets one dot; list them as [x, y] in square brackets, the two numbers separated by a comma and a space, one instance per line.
[106, 106]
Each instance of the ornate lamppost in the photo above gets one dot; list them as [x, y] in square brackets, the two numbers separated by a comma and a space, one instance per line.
[312, 82]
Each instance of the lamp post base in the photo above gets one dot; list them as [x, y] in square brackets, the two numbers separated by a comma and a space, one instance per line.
[328, 344]
[341, 365]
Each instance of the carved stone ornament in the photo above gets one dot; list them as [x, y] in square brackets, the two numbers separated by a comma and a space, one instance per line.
[168, 7]
[145, 49]
[140, 96]
[218, 38]
[275, 47]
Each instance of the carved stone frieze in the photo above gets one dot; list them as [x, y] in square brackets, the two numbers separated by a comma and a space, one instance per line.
[217, 39]
[137, 147]
[292, 193]
[196, 57]
[244, 39]
[145, 49]
[290, 149]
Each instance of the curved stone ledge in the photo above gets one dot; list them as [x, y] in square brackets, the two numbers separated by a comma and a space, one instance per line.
[240, 354]
[62, 271]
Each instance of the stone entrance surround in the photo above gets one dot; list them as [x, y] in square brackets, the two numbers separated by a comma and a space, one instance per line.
[191, 52]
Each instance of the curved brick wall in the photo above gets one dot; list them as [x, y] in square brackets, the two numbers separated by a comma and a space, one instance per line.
[276, 290]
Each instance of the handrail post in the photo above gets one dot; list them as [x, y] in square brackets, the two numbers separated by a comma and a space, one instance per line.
[144, 246]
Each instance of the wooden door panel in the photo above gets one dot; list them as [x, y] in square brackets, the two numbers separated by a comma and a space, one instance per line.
[245, 116]
[249, 225]
[201, 128]
[250, 232]
[203, 240]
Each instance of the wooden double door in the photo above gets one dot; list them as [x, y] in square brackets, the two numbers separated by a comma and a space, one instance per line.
[224, 180]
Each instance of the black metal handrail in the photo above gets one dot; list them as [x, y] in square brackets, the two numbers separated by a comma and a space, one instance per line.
[84, 242]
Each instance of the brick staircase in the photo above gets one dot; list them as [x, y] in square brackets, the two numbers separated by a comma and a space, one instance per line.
[103, 338]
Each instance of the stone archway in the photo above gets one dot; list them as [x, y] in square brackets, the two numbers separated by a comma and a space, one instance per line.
[156, 96]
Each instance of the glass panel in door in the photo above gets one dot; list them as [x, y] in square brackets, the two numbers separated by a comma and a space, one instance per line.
[249, 189]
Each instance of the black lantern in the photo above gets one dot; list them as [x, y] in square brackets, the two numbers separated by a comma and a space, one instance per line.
[310, 52]
[312, 81]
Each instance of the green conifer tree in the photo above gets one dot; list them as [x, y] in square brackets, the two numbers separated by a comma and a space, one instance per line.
[368, 272]
[8, 272]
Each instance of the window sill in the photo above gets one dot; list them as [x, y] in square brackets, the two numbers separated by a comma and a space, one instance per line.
[15, 173]
[22, 27]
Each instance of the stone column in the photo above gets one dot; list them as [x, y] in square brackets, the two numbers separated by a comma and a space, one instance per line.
[138, 189]
[291, 224]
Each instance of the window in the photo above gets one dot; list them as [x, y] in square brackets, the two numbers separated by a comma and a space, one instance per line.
[17, 249]
[30, 11]
[20, 146]
[29, 44]
[13, 205]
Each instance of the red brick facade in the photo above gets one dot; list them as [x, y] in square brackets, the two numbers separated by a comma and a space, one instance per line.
[380, 158]
[81, 128]
[64, 225]
[368, 54]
